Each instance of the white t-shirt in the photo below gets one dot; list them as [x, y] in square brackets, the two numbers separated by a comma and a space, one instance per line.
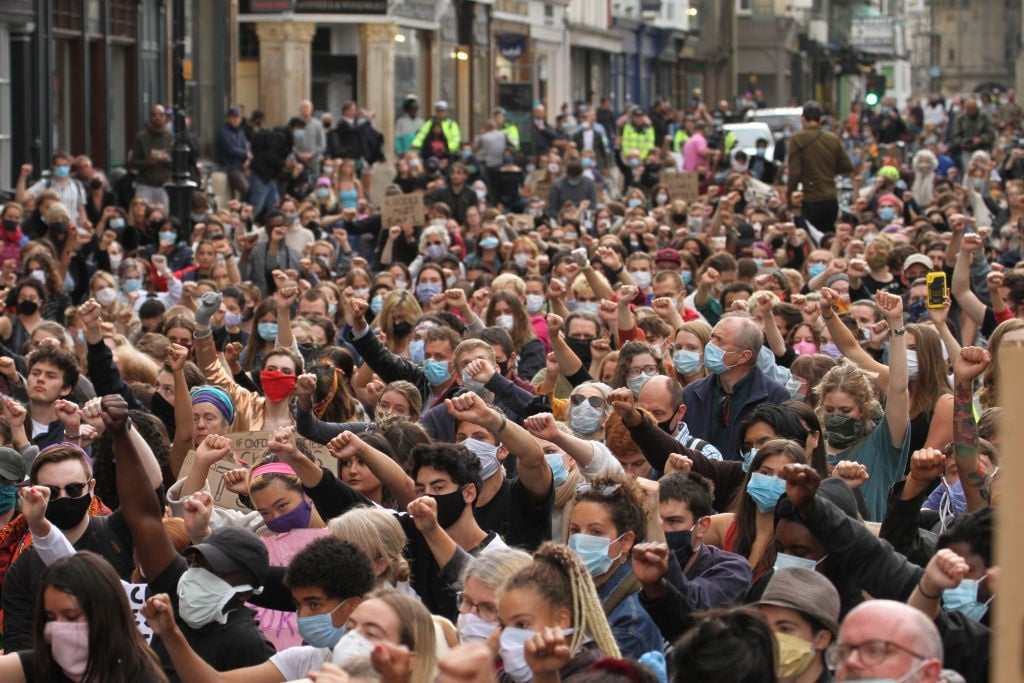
[296, 662]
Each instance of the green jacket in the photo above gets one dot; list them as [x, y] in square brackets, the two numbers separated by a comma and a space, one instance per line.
[816, 157]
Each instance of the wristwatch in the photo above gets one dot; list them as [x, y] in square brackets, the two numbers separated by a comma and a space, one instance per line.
[898, 332]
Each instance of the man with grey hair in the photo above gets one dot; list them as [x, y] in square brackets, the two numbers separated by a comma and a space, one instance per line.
[972, 131]
[717, 404]
[887, 640]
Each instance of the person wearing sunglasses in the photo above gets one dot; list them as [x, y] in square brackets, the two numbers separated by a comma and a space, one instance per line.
[66, 471]
[588, 409]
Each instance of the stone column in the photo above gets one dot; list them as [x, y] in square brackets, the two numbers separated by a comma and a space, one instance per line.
[377, 92]
[285, 68]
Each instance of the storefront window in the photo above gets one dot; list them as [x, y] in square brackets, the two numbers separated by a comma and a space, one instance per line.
[410, 66]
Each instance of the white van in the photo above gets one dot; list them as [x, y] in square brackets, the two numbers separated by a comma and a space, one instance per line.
[778, 118]
[747, 135]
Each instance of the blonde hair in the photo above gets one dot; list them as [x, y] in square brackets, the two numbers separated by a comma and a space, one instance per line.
[988, 394]
[582, 285]
[855, 383]
[378, 534]
[560, 579]
[417, 632]
[509, 281]
[134, 366]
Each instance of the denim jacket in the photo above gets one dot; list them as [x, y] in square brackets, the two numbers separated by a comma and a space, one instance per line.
[632, 626]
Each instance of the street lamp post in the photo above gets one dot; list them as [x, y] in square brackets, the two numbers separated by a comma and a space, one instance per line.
[180, 188]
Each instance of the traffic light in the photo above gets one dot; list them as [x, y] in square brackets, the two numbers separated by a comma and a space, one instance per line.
[875, 88]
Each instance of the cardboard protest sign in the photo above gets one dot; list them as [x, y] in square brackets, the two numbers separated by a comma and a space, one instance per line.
[247, 448]
[685, 186]
[399, 209]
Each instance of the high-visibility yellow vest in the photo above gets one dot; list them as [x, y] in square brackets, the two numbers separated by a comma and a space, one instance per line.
[512, 133]
[451, 134]
[679, 139]
[634, 139]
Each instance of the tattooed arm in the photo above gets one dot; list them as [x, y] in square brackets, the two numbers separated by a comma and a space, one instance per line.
[976, 482]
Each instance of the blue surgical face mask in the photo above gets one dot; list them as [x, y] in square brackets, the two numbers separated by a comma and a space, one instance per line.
[376, 303]
[687, 277]
[714, 359]
[793, 386]
[132, 284]
[782, 560]
[748, 457]
[319, 630]
[9, 496]
[816, 269]
[588, 162]
[964, 599]
[686, 362]
[425, 291]
[635, 384]
[62, 172]
[416, 351]
[593, 552]
[765, 490]
[489, 242]
[323, 193]
[588, 307]
[168, 236]
[436, 372]
[634, 162]
[634, 203]
[887, 213]
[267, 331]
[557, 465]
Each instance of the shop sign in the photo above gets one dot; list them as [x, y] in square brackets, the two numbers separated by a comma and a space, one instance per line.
[511, 46]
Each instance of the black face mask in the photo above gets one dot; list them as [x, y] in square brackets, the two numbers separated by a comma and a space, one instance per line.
[680, 543]
[503, 367]
[581, 347]
[247, 314]
[10, 226]
[679, 218]
[27, 307]
[65, 513]
[95, 183]
[449, 508]
[403, 328]
[165, 412]
[155, 225]
[666, 426]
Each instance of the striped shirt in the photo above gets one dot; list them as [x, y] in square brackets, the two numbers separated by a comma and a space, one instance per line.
[70, 191]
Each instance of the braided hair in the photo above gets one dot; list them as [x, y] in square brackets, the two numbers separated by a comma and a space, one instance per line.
[558, 576]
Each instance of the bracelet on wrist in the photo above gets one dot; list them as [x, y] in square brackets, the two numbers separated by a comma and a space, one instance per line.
[898, 332]
[501, 427]
[920, 589]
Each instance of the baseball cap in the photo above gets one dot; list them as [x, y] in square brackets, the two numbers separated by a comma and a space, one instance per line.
[917, 260]
[498, 110]
[440, 105]
[745, 236]
[638, 111]
[805, 591]
[668, 254]
[12, 465]
[232, 549]
[234, 111]
[323, 182]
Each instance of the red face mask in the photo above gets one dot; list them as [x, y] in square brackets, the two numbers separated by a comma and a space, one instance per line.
[277, 386]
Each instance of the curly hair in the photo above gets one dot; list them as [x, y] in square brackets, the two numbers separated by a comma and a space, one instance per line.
[63, 360]
[974, 529]
[726, 646]
[455, 460]
[855, 383]
[337, 566]
[622, 498]
[627, 353]
[153, 432]
[559, 577]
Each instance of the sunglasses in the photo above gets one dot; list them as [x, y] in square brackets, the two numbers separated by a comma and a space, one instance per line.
[595, 401]
[73, 490]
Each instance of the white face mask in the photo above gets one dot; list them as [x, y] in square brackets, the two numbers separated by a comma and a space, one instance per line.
[534, 303]
[474, 629]
[505, 322]
[511, 650]
[202, 597]
[912, 365]
[352, 645]
[106, 296]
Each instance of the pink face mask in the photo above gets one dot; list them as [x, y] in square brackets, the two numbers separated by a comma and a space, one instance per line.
[805, 348]
[69, 644]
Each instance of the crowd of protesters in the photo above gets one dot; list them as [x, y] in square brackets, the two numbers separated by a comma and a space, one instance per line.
[571, 423]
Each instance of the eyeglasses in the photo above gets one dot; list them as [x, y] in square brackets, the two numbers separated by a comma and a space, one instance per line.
[871, 652]
[595, 401]
[647, 370]
[486, 611]
[73, 490]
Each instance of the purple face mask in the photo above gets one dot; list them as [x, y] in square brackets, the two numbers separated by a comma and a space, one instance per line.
[295, 519]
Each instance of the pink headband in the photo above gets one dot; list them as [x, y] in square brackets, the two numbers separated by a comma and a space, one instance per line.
[273, 468]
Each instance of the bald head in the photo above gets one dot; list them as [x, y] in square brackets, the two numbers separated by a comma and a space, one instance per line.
[742, 334]
[663, 398]
[916, 643]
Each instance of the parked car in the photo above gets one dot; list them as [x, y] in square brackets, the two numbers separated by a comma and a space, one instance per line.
[778, 118]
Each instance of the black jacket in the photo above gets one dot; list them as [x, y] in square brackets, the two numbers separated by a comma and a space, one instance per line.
[270, 150]
[345, 142]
